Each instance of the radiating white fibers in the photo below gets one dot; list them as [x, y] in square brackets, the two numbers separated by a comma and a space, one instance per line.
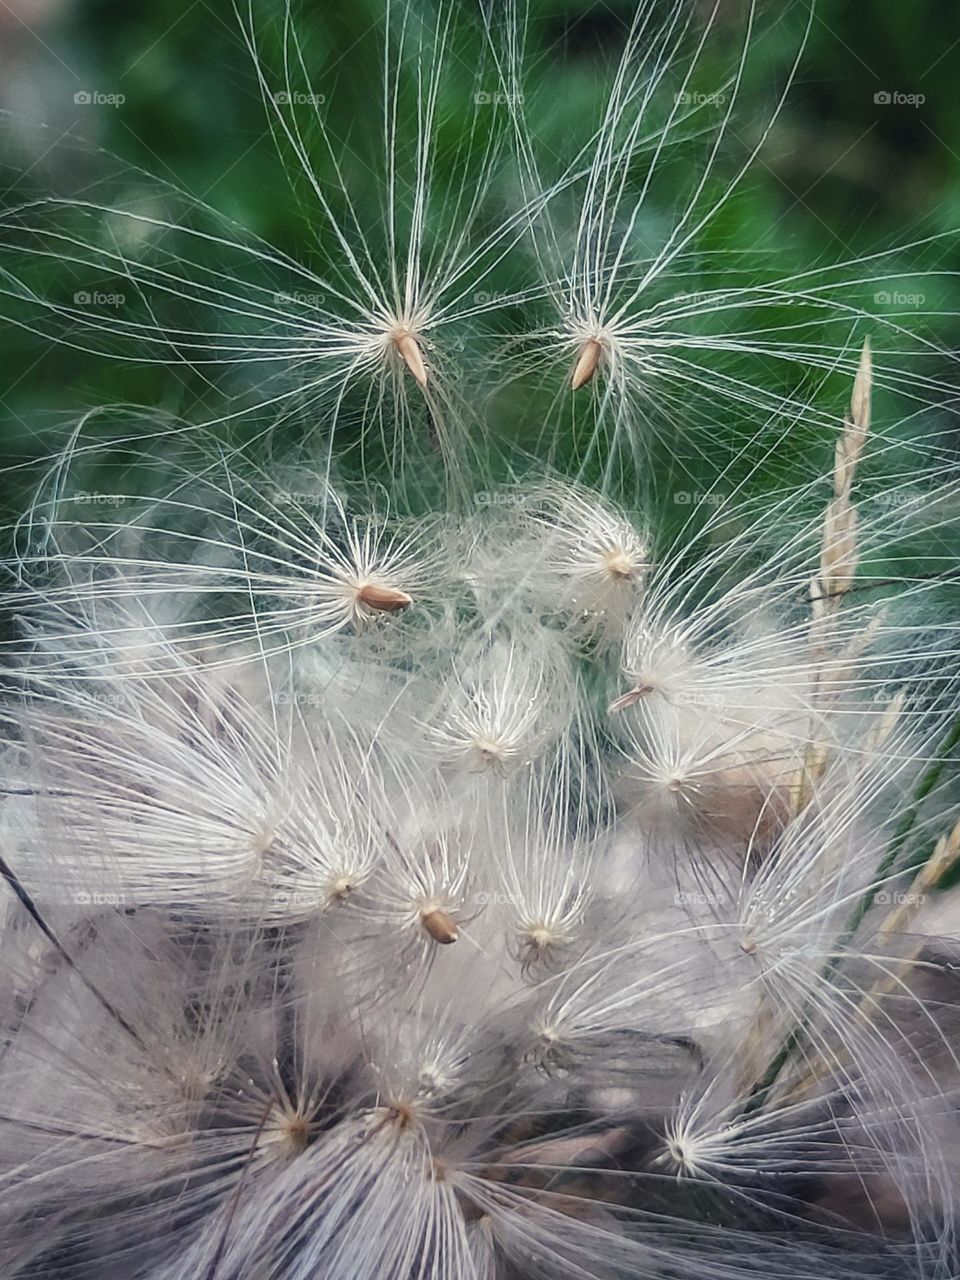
[425, 857]
[512, 937]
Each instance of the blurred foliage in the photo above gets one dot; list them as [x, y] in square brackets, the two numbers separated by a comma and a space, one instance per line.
[842, 175]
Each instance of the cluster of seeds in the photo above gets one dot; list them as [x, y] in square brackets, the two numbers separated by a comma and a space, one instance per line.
[437, 864]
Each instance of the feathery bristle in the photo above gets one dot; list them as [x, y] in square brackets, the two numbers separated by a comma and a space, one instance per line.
[344, 674]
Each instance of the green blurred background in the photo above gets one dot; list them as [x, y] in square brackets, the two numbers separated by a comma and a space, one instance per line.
[844, 173]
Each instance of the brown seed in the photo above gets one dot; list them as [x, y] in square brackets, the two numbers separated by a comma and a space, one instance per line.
[411, 354]
[384, 599]
[628, 699]
[440, 926]
[587, 362]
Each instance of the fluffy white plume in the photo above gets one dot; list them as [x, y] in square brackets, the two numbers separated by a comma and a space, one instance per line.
[490, 872]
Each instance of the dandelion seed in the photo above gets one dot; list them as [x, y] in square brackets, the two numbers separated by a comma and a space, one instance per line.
[580, 557]
[439, 924]
[409, 349]
[588, 362]
[629, 699]
[383, 599]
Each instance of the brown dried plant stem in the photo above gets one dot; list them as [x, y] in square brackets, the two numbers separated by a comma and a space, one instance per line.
[838, 560]
[798, 1033]
[834, 580]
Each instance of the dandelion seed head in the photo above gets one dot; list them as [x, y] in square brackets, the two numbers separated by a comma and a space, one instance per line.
[544, 941]
[359, 676]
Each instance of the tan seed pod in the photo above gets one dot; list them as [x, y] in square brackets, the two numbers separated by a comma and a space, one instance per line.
[587, 363]
[440, 926]
[384, 599]
[628, 699]
[411, 354]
